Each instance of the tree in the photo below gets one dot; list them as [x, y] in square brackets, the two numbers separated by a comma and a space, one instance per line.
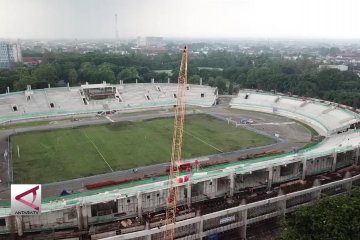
[329, 79]
[259, 77]
[87, 72]
[72, 77]
[331, 218]
[194, 79]
[161, 77]
[44, 74]
[25, 79]
[220, 83]
[212, 82]
[356, 102]
[128, 75]
[106, 75]
[23, 82]
[231, 88]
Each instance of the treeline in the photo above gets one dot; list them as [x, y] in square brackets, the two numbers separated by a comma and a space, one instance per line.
[230, 72]
[331, 218]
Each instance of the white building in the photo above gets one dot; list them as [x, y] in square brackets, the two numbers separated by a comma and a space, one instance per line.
[9, 53]
[341, 68]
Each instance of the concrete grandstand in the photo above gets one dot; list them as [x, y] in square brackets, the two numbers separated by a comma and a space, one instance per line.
[214, 200]
[51, 102]
[325, 117]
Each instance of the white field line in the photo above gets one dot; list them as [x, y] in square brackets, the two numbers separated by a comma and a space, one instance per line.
[203, 141]
[97, 149]
[108, 118]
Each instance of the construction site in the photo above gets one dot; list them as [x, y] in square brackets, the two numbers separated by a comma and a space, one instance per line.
[228, 195]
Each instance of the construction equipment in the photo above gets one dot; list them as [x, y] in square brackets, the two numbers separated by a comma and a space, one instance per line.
[172, 196]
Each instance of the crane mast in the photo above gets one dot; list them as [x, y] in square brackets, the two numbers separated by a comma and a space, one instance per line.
[176, 149]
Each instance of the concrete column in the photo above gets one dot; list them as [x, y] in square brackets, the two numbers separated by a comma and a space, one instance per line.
[303, 174]
[316, 183]
[168, 80]
[84, 215]
[48, 85]
[139, 206]
[357, 156]
[188, 191]
[243, 217]
[79, 217]
[152, 81]
[147, 226]
[7, 89]
[211, 188]
[19, 225]
[270, 179]
[348, 185]
[333, 168]
[318, 195]
[197, 214]
[200, 81]
[136, 81]
[215, 187]
[200, 229]
[232, 184]
[282, 204]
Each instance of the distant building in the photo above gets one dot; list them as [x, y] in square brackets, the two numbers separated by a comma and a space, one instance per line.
[32, 61]
[150, 42]
[339, 67]
[9, 53]
[154, 41]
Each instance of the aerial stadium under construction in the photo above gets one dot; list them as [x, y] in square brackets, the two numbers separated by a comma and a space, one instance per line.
[220, 198]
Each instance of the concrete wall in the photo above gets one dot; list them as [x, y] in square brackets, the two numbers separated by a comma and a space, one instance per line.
[242, 216]
[126, 207]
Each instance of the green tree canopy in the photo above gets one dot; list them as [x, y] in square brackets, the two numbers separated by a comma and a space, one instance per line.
[25, 79]
[128, 75]
[87, 72]
[331, 218]
[194, 79]
[106, 74]
[72, 77]
[45, 73]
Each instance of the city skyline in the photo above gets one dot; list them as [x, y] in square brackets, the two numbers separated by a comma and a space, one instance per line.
[94, 19]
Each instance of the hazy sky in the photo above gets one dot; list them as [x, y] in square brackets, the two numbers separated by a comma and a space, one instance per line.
[180, 18]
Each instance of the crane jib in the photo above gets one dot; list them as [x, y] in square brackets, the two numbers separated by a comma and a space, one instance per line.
[174, 180]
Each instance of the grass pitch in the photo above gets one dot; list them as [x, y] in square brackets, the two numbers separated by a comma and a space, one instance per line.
[72, 153]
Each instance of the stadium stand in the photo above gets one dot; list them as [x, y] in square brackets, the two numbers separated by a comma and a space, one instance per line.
[72, 101]
[325, 117]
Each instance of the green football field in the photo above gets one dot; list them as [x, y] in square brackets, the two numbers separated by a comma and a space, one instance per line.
[41, 157]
